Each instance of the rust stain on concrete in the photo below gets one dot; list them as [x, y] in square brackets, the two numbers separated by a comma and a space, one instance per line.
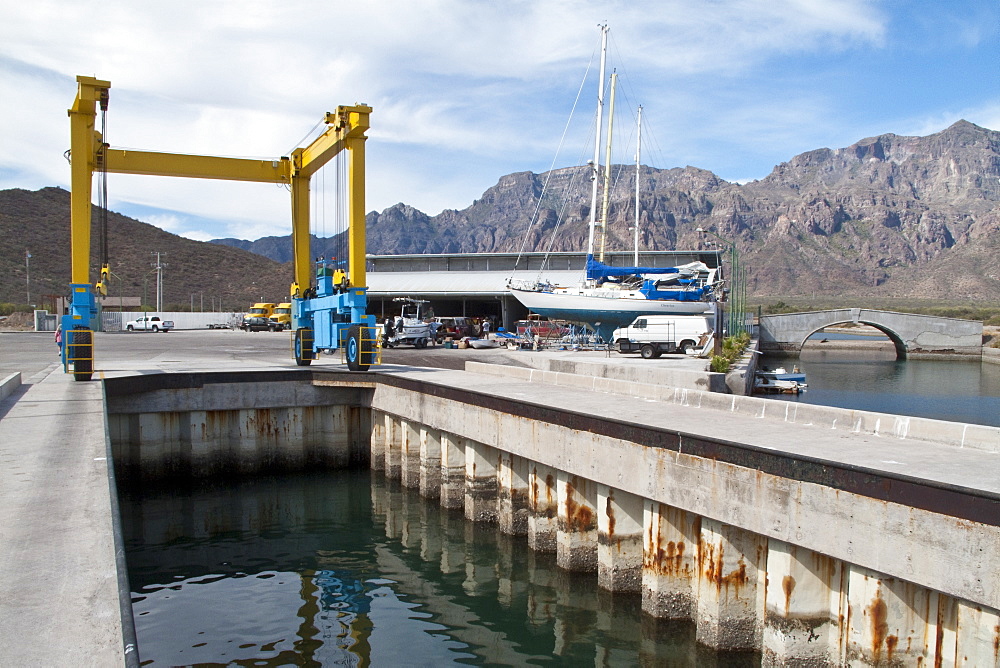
[579, 517]
[787, 586]
[878, 616]
[609, 509]
[711, 566]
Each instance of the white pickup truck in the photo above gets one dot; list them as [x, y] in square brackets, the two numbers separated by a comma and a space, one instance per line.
[150, 324]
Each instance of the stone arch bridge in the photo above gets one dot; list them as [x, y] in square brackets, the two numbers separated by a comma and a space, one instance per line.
[909, 333]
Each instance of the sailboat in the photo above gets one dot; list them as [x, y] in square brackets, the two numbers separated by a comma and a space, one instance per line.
[610, 297]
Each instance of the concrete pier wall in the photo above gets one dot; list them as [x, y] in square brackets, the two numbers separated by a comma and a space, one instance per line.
[758, 560]
[808, 562]
[980, 437]
[239, 428]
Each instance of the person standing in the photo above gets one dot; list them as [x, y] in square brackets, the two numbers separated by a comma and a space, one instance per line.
[389, 332]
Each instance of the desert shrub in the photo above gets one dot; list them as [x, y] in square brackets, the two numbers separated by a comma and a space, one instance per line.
[719, 364]
[6, 308]
[732, 349]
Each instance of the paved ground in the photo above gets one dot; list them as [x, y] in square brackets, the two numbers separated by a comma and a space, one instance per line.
[32, 353]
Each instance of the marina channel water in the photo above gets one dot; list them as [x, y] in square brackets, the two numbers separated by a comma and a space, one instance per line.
[346, 568]
[953, 389]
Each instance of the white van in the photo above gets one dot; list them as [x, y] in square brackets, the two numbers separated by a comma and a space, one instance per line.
[653, 335]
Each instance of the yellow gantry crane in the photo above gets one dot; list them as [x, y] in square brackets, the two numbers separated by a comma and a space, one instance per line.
[328, 309]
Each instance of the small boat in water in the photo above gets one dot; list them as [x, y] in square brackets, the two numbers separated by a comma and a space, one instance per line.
[779, 373]
[770, 386]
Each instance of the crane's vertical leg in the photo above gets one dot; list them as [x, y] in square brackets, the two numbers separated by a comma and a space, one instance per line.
[356, 212]
[84, 140]
[366, 334]
[302, 318]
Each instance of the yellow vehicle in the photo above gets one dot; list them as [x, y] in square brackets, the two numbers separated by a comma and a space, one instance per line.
[258, 310]
[281, 318]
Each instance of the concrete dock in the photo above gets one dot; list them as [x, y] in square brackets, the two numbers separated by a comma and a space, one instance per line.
[608, 423]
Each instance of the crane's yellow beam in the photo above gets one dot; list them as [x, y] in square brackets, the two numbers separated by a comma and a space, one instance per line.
[124, 161]
[345, 124]
[346, 131]
[347, 127]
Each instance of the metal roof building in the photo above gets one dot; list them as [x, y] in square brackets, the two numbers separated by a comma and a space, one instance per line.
[475, 284]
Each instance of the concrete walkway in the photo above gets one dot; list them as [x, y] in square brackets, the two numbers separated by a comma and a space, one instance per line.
[59, 597]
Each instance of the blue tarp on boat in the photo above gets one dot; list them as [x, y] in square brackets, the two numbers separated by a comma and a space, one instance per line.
[598, 270]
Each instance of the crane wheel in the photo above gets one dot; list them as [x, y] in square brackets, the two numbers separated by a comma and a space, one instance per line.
[81, 352]
[302, 357]
[358, 349]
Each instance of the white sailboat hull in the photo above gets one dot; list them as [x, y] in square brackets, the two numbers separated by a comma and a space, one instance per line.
[603, 309]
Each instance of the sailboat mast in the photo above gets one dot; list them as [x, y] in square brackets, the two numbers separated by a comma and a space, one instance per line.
[607, 167]
[596, 164]
[638, 151]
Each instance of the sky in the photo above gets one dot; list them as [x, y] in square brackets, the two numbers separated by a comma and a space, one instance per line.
[466, 91]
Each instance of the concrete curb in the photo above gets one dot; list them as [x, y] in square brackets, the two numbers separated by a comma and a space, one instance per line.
[956, 434]
[10, 385]
[651, 374]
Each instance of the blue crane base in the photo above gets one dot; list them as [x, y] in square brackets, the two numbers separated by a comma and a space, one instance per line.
[77, 345]
[334, 318]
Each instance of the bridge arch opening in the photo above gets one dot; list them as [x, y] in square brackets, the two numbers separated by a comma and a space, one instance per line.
[897, 341]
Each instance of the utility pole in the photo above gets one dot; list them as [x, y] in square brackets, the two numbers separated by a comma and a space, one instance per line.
[27, 272]
[159, 280]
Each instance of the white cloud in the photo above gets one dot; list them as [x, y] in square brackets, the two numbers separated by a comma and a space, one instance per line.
[169, 222]
[986, 115]
[463, 92]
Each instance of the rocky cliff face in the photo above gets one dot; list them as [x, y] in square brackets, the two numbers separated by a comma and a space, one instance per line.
[888, 215]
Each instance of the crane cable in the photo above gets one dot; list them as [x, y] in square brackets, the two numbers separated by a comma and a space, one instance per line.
[102, 198]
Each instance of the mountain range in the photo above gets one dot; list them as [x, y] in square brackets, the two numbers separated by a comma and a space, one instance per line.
[888, 216]
[196, 272]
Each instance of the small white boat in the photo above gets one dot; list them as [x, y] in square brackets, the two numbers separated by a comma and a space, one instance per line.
[779, 373]
[482, 344]
[772, 386]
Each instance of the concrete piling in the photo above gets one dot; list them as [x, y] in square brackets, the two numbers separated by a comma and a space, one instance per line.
[805, 610]
[452, 494]
[619, 540]
[410, 454]
[898, 623]
[514, 493]
[576, 540]
[730, 586]
[377, 440]
[430, 463]
[481, 502]
[543, 506]
[393, 447]
[670, 561]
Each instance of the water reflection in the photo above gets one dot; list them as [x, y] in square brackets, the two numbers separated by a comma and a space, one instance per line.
[345, 569]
